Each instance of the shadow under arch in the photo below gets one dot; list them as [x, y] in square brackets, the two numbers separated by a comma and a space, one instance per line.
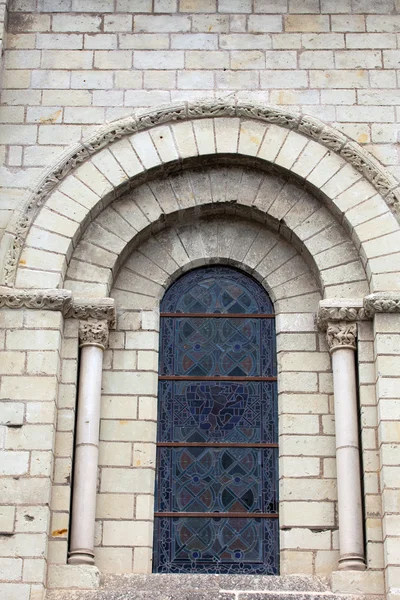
[271, 190]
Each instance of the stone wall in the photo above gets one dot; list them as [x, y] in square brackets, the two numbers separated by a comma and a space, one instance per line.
[302, 209]
[126, 245]
[30, 374]
[127, 435]
[73, 65]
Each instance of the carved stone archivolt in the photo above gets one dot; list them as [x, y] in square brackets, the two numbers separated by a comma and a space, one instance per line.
[93, 333]
[180, 111]
[341, 334]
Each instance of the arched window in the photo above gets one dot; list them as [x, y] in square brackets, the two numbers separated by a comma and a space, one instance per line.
[216, 503]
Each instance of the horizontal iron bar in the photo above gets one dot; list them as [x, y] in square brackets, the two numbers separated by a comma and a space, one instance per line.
[216, 378]
[213, 445]
[233, 515]
[221, 315]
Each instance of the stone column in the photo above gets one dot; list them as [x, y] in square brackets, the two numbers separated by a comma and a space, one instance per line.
[341, 338]
[93, 337]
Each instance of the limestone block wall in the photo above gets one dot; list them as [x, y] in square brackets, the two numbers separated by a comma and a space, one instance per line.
[71, 66]
[372, 485]
[30, 375]
[386, 344]
[64, 445]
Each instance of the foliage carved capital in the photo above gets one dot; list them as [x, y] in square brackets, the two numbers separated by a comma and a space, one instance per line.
[93, 333]
[91, 308]
[341, 334]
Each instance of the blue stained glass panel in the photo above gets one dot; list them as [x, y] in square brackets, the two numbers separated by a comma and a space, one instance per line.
[218, 347]
[216, 290]
[195, 476]
[216, 545]
[204, 479]
[218, 411]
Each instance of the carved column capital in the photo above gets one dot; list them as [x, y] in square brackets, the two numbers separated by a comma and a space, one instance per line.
[93, 333]
[341, 334]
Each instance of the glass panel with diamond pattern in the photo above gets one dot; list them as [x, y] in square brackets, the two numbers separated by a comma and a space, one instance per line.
[216, 506]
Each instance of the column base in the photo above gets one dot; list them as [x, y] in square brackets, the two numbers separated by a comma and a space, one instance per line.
[352, 562]
[81, 556]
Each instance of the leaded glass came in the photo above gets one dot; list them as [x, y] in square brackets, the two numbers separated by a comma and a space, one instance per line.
[216, 507]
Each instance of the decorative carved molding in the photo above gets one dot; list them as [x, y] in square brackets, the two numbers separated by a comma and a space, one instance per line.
[93, 333]
[304, 124]
[382, 302]
[341, 335]
[369, 167]
[340, 310]
[36, 299]
[326, 135]
[62, 300]
[89, 308]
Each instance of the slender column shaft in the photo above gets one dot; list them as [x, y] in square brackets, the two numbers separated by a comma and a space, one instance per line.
[351, 538]
[86, 445]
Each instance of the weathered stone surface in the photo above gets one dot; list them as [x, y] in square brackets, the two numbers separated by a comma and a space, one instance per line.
[204, 587]
[262, 99]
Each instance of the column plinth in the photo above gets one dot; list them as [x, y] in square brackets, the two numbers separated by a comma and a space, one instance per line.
[93, 337]
[341, 338]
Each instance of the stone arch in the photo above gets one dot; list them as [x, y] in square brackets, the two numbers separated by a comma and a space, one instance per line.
[161, 258]
[131, 151]
[284, 207]
[303, 370]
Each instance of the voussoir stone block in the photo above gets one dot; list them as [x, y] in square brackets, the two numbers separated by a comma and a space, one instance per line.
[291, 149]
[204, 134]
[227, 134]
[184, 139]
[164, 143]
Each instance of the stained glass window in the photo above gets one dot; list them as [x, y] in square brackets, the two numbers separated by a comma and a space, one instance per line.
[216, 506]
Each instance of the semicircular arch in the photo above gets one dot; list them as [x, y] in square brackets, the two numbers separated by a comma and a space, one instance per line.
[220, 207]
[128, 152]
[164, 256]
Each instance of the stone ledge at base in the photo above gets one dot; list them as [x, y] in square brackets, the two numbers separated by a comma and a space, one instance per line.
[358, 582]
[70, 577]
[209, 587]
